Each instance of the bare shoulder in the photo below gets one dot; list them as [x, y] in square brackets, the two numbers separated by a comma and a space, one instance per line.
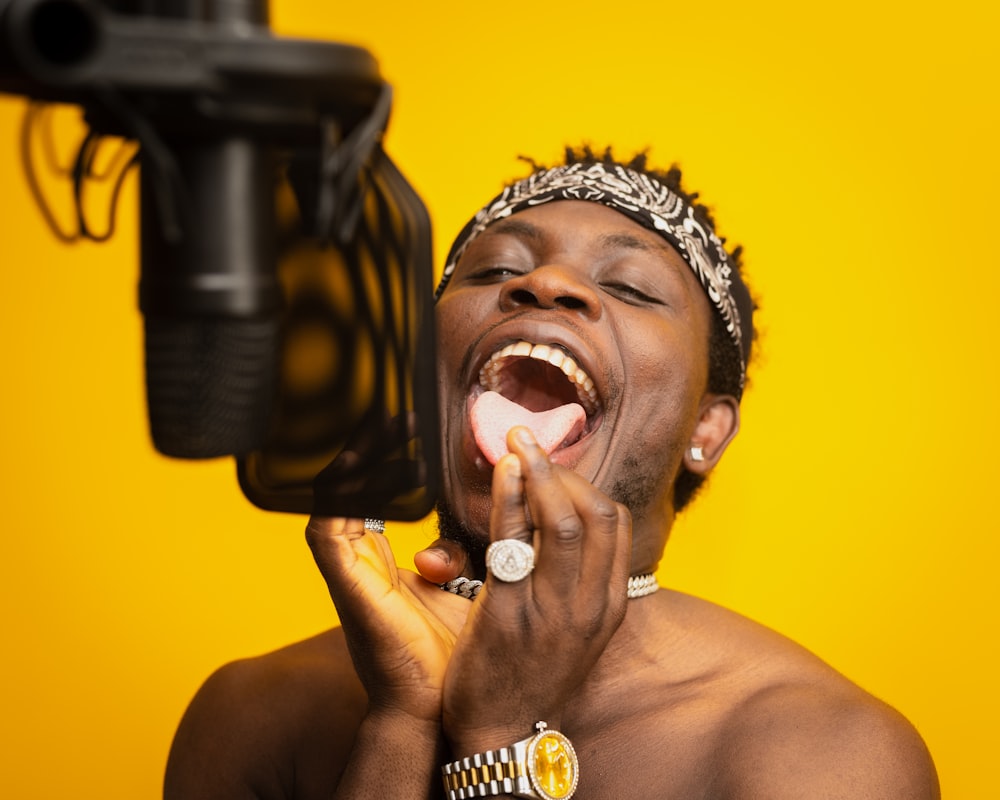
[816, 740]
[799, 729]
[277, 725]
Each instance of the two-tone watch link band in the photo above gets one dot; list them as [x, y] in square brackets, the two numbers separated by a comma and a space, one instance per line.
[543, 766]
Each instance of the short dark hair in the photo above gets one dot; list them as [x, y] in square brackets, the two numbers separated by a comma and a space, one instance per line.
[725, 369]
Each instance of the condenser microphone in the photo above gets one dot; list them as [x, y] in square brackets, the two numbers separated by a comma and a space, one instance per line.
[286, 269]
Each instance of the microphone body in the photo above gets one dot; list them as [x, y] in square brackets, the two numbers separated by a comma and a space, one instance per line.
[209, 291]
[211, 298]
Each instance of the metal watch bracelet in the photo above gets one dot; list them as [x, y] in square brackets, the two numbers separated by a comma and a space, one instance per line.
[543, 766]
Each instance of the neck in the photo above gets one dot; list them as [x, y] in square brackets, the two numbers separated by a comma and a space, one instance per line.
[649, 538]
[633, 657]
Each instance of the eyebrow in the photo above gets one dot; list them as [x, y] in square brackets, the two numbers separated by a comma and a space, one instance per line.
[626, 241]
[608, 241]
[516, 227]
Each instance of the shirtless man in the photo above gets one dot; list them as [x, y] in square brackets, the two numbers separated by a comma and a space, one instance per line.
[616, 274]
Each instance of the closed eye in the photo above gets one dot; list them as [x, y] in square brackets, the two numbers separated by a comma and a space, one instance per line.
[493, 273]
[630, 294]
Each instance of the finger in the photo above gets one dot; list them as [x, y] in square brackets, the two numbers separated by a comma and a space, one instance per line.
[333, 490]
[442, 561]
[607, 532]
[507, 513]
[553, 514]
[508, 521]
[355, 563]
[578, 524]
[330, 539]
[370, 439]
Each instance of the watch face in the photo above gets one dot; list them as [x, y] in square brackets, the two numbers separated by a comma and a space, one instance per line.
[552, 766]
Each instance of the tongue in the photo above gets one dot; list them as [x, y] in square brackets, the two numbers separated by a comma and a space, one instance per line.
[492, 415]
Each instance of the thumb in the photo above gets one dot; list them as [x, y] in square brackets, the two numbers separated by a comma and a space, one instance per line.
[442, 561]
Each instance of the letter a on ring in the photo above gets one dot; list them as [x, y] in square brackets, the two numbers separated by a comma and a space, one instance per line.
[510, 560]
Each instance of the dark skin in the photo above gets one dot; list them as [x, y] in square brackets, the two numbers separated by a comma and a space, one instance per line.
[665, 696]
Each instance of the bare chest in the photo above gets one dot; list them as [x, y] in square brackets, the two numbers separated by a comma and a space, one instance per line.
[650, 756]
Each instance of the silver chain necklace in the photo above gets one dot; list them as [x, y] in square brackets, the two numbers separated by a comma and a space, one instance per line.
[638, 586]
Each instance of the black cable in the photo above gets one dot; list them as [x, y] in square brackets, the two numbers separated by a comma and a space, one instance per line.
[37, 120]
[28, 123]
[83, 172]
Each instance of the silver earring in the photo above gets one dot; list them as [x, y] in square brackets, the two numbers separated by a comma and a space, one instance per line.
[696, 453]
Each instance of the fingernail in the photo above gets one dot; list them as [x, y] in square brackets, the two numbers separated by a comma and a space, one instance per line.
[512, 464]
[524, 436]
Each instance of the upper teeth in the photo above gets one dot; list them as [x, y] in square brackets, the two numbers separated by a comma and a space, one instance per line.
[489, 375]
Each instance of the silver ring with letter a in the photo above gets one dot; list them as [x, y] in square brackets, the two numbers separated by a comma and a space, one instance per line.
[510, 560]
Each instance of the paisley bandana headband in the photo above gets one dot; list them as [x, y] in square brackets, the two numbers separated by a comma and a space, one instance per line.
[644, 200]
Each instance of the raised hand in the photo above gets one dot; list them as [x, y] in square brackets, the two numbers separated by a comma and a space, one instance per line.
[528, 645]
[400, 629]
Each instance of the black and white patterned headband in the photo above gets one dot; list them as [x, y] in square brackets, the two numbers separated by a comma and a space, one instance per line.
[646, 201]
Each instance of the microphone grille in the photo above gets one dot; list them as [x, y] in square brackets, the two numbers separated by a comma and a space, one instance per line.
[210, 383]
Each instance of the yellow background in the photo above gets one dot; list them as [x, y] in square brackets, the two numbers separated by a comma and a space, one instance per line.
[850, 147]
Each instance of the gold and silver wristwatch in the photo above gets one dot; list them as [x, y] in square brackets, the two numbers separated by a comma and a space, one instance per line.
[542, 767]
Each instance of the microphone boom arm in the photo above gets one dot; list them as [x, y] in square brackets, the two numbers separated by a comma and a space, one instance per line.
[222, 76]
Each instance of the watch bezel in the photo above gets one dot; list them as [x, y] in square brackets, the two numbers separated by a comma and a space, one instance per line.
[567, 745]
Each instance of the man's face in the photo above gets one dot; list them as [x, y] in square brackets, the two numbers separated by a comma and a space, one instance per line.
[582, 279]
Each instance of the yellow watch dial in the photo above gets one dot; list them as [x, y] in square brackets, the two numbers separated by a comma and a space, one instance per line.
[552, 766]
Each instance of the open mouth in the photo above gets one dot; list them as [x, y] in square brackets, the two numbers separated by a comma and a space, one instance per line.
[540, 386]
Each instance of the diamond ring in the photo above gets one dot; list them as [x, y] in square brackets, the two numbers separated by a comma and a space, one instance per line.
[510, 560]
[375, 525]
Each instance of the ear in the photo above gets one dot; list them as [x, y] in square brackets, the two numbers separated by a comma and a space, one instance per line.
[718, 423]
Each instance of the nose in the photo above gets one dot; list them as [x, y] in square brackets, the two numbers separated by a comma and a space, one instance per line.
[550, 287]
